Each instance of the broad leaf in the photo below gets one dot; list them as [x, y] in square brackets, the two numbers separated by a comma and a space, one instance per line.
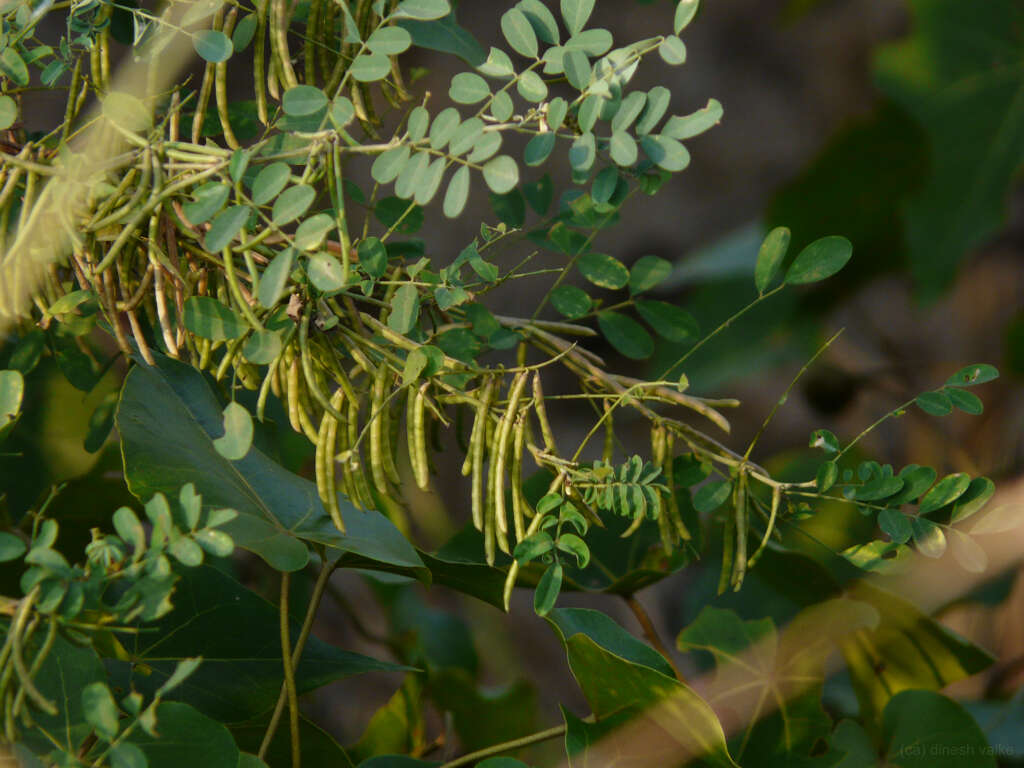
[612, 683]
[218, 619]
[819, 260]
[923, 729]
[187, 737]
[773, 681]
[168, 417]
[960, 75]
[918, 653]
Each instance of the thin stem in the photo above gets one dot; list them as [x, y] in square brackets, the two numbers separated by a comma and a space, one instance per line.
[785, 395]
[289, 673]
[507, 746]
[322, 582]
[651, 633]
[887, 416]
[733, 318]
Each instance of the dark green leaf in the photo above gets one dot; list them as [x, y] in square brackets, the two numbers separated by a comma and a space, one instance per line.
[8, 112]
[648, 272]
[310, 234]
[292, 203]
[570, 301]
[819, 260]
[548, 587]
[389, 40]
[457, 194]
[209, 198]
[972, 375]
[603, 270]
[501, 174]
[12, 389]
[224, 228]
[390, 164]
[935, 403]
[687, 127]
[968, 402]
[342, 112]
[826, 476]
[468, 88]
[627, 335]
[519, 33]
[973, 499]
[275, 278]
[576, 13]
[539, 148]
[770, 257]
[13, 66]
[238, 430]
[405, 308]
[685, 11]
[212, 45]
[947, 490]
[672, 51]
[100, 710]
[369, 67]
[669, 321]
[208, 318]
[447, 36]
[924, 729]
[616, 672]
[665, 152]
[167, 418]
[533, 546]
[244, 32]
[542, 20]
[711, 496]
[972, 135]
[895, 524]
[187, 737]
[424, 10]
[269, 182]
[218, 618]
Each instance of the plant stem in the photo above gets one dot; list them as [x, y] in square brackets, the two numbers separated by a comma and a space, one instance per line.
[533, 738]
[651, 633]
[289, 672]
[307, 624]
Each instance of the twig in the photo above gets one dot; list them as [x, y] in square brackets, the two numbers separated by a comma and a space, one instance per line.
[651, 633]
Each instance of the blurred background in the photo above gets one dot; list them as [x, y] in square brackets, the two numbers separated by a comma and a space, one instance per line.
[898, 124]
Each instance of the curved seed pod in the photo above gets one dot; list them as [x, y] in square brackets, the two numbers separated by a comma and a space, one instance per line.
[518, 499]
[467, 462]
[388, 433]
[728, 554]
[542, 416]
[291, 383]
[221, 86]
[665, 529]
[329, 474]
[739, 565]
[504, 434]
[259, 61]
[418, 439]
[608, 451]
[361, 486]
[477, 444]
[673, 508]
[305, 407]
[378, 407]
[321, 457]
[637, 522]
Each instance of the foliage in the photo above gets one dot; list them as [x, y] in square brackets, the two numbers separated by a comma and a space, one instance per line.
[272, 307]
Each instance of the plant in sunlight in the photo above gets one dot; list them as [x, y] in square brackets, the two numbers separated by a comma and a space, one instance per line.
[294, 356]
